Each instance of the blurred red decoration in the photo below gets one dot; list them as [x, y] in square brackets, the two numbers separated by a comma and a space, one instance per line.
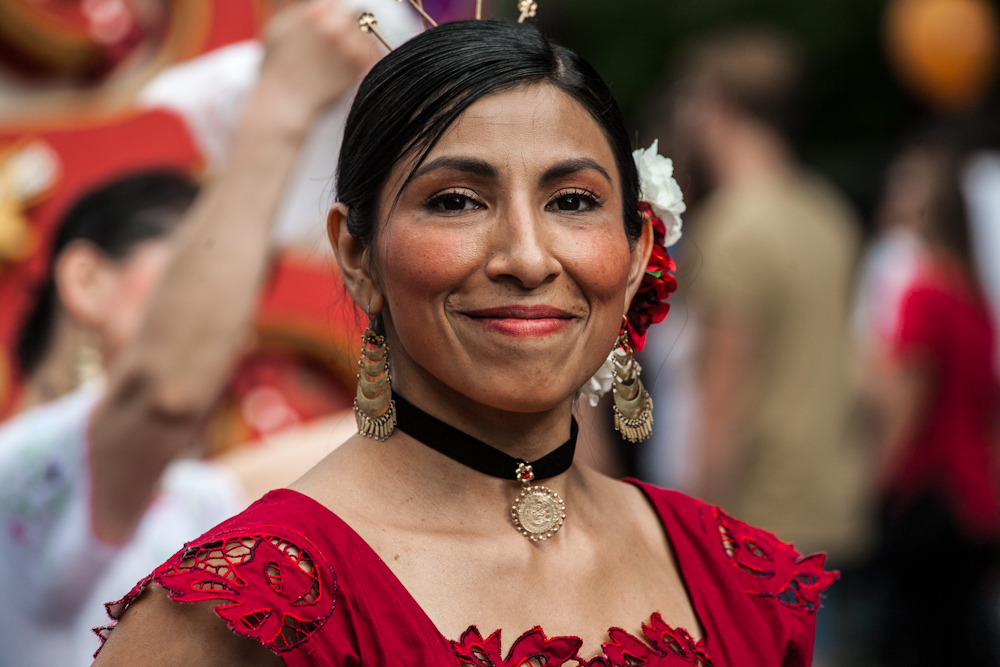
[945, 51]
[92, 142]
[85, 40]
[76, 37]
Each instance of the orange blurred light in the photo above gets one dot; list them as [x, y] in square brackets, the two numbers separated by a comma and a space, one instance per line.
[945, 51]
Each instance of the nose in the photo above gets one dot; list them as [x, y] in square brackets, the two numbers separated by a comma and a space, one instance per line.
[522, 248]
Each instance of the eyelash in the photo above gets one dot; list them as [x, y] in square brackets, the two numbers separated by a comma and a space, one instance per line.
[440, 197]
[592, 199]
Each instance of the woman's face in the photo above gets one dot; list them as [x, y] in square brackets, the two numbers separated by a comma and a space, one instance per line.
[911, 182]
[110, 296]
[504, 265]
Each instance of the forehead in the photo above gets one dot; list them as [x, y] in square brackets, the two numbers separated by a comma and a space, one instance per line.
[533, 125]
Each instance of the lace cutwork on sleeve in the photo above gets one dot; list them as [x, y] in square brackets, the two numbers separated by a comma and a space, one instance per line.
[280, 590]
[772, 568]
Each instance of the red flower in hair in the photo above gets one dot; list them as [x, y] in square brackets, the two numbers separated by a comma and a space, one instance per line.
[649, 306]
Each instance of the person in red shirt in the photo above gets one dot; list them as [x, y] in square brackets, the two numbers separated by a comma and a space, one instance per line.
[938, 472]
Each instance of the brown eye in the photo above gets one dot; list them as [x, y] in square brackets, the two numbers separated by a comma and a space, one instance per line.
[574, 202]
[570, 203]
[453, 202]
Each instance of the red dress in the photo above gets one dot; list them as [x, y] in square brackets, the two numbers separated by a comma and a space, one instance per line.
[303, 583]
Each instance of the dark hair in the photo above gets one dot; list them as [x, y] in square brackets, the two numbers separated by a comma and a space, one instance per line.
[950, 212]
[946, 145]
[411, 97]
[756, 70]
[947, 209]
[115, 218]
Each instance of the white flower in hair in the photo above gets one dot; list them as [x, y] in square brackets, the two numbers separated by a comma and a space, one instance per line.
[658, 188]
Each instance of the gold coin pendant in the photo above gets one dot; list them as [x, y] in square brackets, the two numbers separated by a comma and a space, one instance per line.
[538, 512]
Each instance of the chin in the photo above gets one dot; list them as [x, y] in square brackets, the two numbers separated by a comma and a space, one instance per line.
[523, 395]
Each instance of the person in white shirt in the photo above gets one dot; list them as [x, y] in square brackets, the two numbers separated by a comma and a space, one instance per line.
[95, 484]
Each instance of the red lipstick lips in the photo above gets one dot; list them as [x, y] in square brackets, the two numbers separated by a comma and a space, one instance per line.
[522, 321]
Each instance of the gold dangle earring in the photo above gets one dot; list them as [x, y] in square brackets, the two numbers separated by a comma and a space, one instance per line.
[373, 406]
[633, 406]
[89, 363]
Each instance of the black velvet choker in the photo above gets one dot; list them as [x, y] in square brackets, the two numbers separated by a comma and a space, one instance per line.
[475, 453]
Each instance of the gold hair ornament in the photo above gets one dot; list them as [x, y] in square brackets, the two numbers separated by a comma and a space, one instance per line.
[424, 16]
[527, 9]
[367, 21]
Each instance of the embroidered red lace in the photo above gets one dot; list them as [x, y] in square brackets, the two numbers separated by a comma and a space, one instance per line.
[280, 595]
[279, 588]
[666, 647]
[772, 568]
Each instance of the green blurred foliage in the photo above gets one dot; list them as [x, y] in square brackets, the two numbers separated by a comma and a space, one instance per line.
[853, 113]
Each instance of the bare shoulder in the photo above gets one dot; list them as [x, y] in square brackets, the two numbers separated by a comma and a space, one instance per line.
[615, 491]
[158, 632]
[341, 478]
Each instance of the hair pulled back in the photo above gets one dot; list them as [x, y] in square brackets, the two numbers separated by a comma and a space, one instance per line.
[115, 218]
[414, 94]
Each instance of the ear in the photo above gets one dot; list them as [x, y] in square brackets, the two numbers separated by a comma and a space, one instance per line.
[353, 258]
[84, 280]
[640, 260]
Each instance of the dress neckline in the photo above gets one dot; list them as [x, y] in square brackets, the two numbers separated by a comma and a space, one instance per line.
[682, 570]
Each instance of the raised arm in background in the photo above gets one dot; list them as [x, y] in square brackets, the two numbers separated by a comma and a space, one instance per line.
[164, 383]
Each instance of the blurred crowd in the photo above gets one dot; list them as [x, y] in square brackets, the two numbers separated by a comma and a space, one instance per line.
[836, 389]
[175, 342]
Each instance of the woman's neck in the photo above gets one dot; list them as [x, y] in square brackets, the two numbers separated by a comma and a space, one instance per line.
[55, 374]
[523, 435]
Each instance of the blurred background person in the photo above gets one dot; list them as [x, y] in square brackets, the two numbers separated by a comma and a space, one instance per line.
[981, 187]
[937, 399]
[771, 428]
[777, 246]
[185, 75]
[892, 259]
[93, 485]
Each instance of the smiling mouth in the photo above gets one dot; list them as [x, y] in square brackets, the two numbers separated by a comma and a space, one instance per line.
[522, 321]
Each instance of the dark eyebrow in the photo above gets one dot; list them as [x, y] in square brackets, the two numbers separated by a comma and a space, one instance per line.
[570, 167]
[468, 165]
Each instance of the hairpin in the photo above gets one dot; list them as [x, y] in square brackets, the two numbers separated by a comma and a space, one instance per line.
[527, 9]
[368, 23]
[419, 6]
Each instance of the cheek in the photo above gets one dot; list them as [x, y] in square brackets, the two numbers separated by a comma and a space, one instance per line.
[599, 263]
[423, 264]
[136, 282]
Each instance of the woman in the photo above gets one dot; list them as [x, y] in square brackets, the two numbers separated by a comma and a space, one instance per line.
[938, 397]
[97, 485]
[489, 222]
